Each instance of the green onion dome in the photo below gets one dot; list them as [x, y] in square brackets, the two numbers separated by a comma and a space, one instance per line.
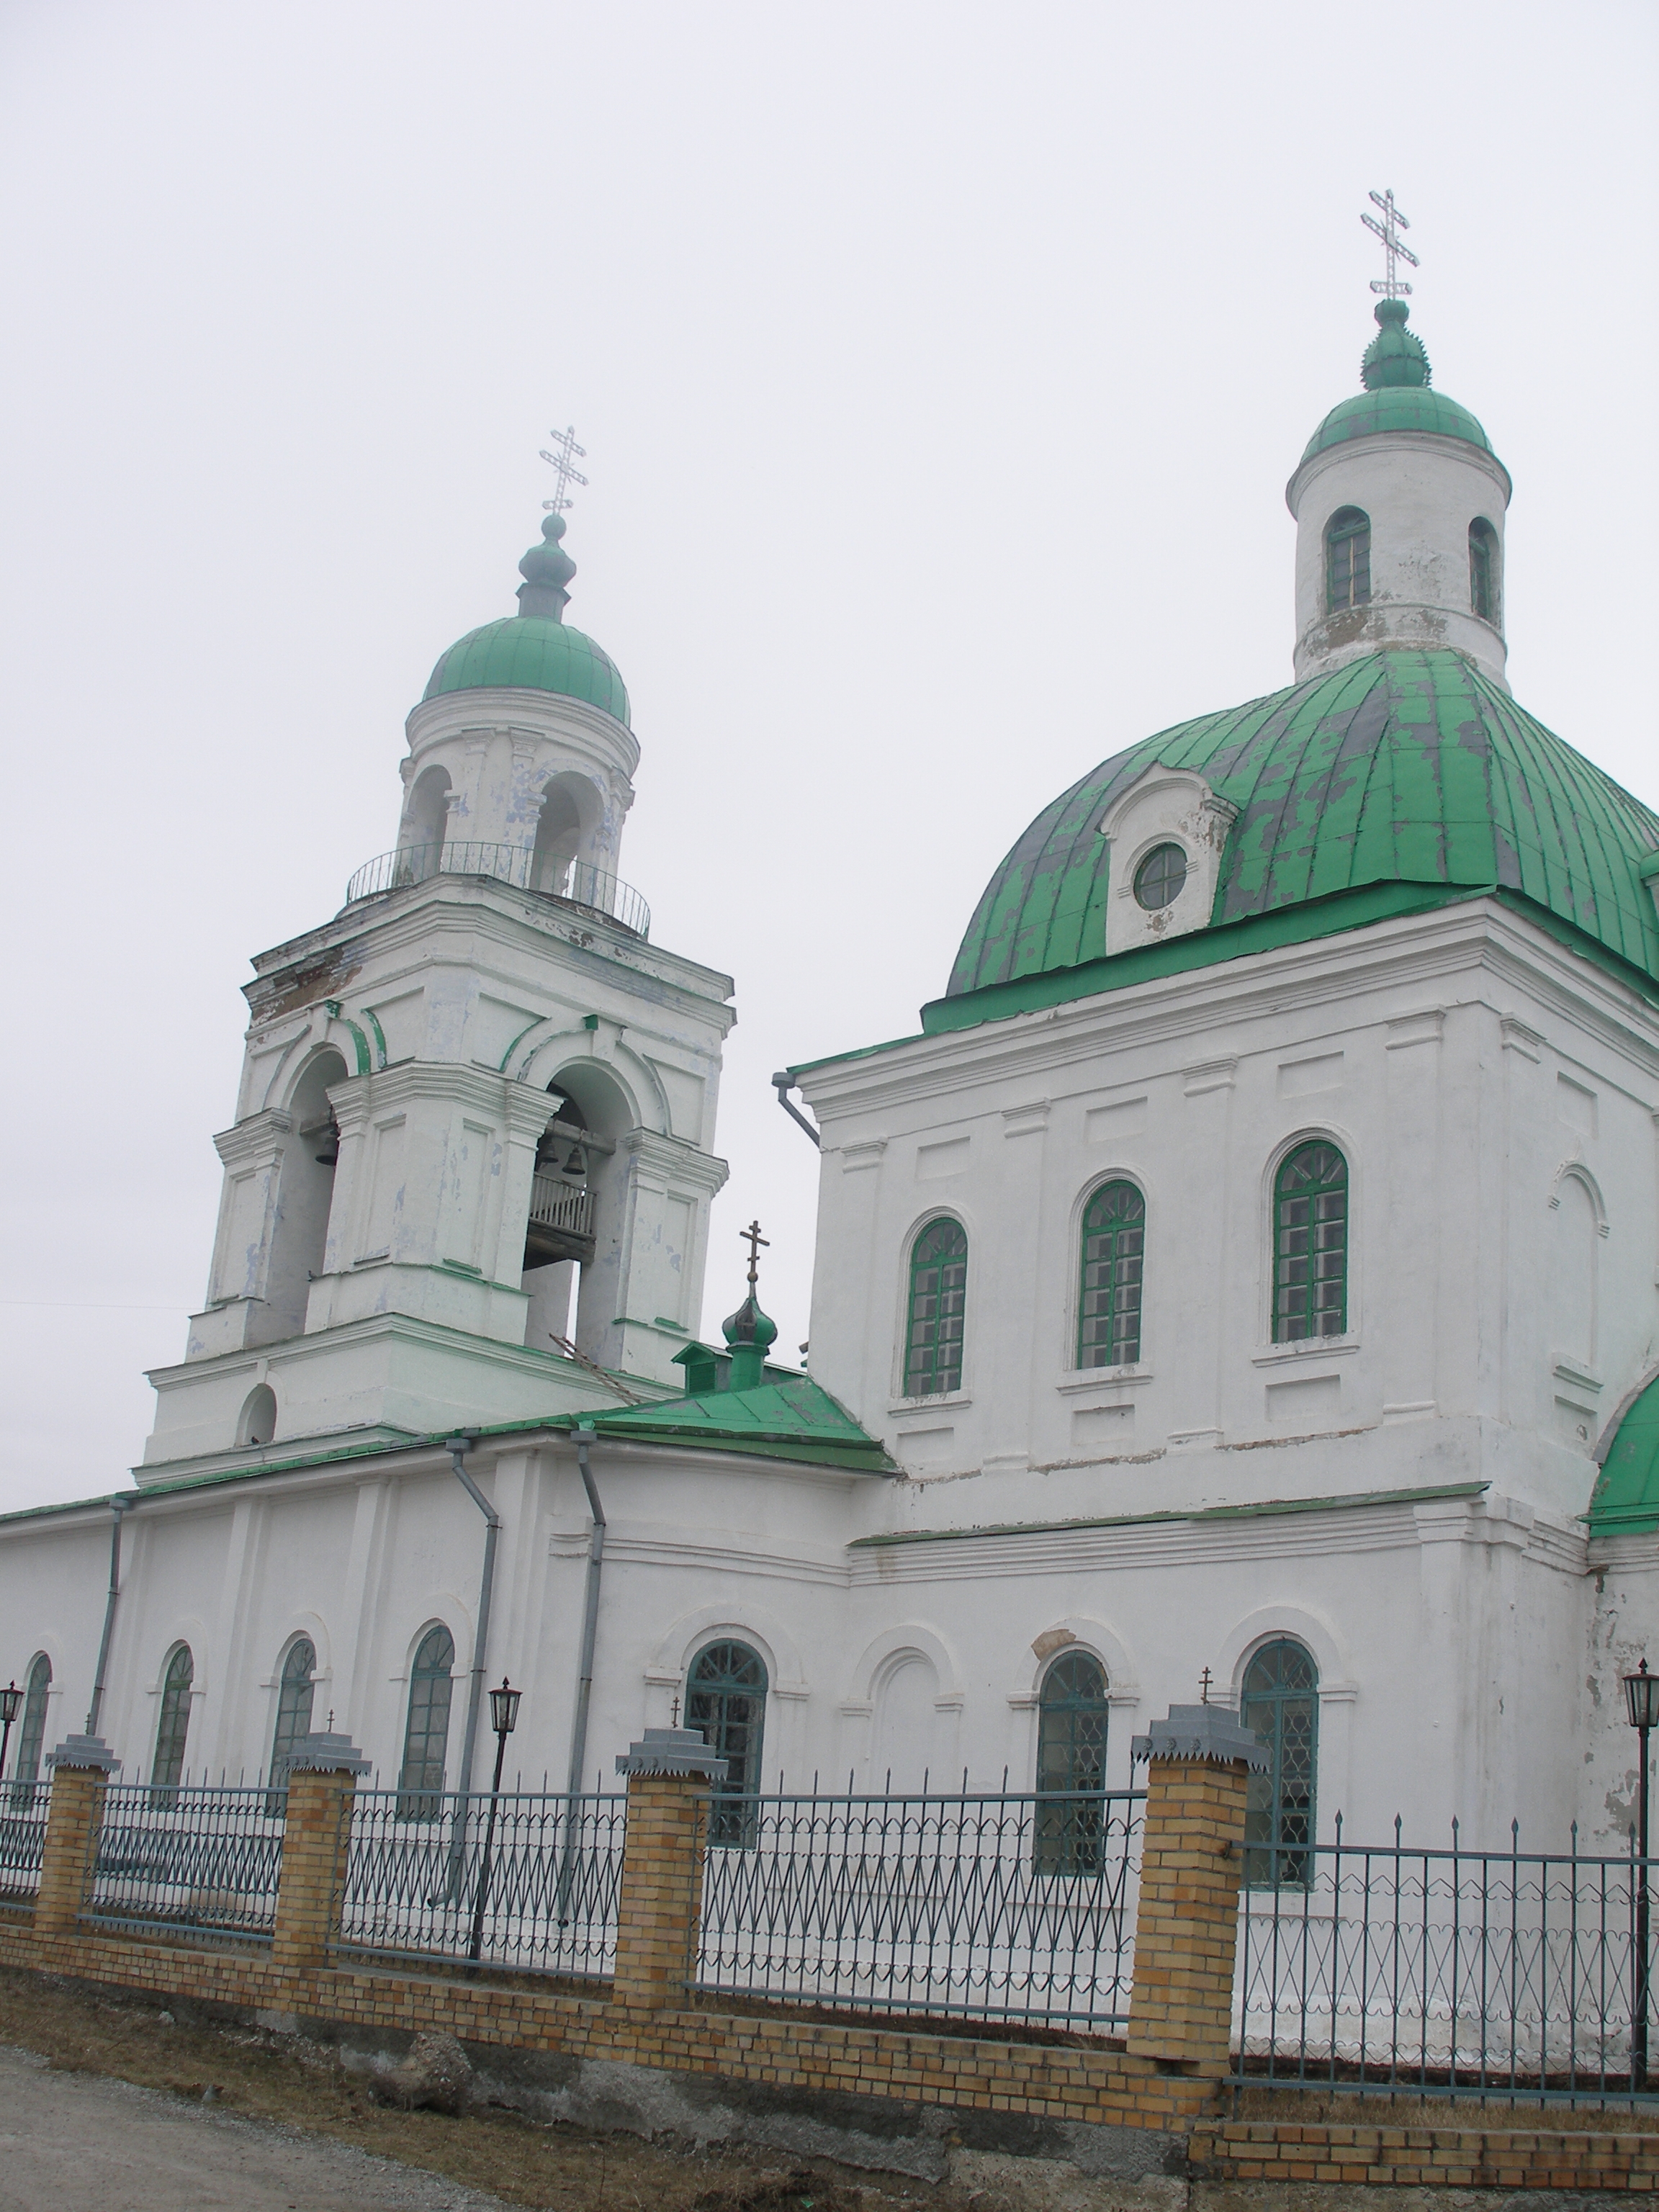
[1407, 775]
[535, 650]
[1396, 376]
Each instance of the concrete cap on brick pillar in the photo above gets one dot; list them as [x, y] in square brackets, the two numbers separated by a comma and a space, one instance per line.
[325, 1753]
[1204, 1732]
[89, 1753]
[671, 1751]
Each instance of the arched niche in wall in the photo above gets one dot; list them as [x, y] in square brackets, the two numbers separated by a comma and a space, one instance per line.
[906, 1743]
[1575, 1238]
[257, 1424]
[305, 1191]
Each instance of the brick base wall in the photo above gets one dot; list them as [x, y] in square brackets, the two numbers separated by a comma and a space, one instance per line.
[1286, 2151]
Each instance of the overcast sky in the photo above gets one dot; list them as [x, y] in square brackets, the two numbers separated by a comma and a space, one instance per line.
[940, 370]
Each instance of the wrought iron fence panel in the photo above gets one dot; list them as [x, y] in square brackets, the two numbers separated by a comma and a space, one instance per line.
[22, 1838]
[199, 1859]
[533, 1888]
[1007, 1907]
[1399, 1969]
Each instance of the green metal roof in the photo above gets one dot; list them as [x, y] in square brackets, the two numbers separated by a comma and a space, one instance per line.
[789, 1420]
[1626, 1497]
[1406, 769]
[1399, 407]
[532, 653]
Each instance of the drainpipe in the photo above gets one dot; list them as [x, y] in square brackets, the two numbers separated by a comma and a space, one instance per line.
[458, 1447]
[783, 1084]
[568, 1856]
[590, 1610]
[117, 1506]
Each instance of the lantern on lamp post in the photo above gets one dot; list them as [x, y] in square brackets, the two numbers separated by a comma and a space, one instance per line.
[1641, 1703]
[503, 1718]
[11, 1700]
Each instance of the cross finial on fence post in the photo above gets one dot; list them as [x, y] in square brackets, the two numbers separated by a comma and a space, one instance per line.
[1204, 1681]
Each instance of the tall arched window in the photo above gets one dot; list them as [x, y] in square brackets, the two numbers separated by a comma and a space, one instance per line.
[1113, 1249]
[1310, 1244]
[37, 1685]
[1280, 1702]
[1072, 1713]
[939, 1306]
[1348, 559]
[725, 1698]
[295, 1691]
[426, 1733]
[173, 1727]
[1483, 568]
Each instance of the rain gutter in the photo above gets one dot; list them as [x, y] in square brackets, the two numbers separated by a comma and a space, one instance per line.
[118, 1507]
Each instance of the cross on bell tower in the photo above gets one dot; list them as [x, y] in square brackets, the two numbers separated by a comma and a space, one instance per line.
[562, 462]
[1392, 286]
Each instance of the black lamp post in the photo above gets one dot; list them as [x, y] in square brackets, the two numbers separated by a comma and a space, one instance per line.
[11, 1700]
[503, 1718]
[1642, 1697]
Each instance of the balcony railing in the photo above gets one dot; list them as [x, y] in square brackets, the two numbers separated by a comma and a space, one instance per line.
[577, 882]
[554, 1203]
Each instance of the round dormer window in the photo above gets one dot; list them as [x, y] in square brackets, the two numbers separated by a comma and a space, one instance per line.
[1159, 878]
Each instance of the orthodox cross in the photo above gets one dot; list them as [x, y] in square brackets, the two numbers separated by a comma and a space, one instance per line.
[560, 462]
[676, 1721]
[752, 1237]
[1204, 1680]
[1393, 285]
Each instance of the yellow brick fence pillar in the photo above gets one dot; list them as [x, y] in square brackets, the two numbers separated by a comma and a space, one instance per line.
[660, 1902]
[81, 1768]
[322, 1783]
[1191, 1861]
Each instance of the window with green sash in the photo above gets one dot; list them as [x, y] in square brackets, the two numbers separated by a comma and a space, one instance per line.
[296, 1690]
[1072, 1712]
[37, 1688]
[937, 1309]
[1348, 559]
[1280, 1702]
[725, 1698]
[1310, 1244]
[1483, 569]
[426, 1731]
[1114, 1253]
[172, 1729]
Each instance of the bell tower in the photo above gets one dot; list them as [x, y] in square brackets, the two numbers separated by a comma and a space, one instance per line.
[472, 1156]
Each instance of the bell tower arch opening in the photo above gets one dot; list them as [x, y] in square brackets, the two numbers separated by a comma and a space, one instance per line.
[570, 813]
[573, 1238]
[426, 819]
[304, 1195]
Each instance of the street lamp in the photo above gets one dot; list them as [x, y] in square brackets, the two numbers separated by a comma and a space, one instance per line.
[1641, 1699]
[503, 1718]
[11, 1698]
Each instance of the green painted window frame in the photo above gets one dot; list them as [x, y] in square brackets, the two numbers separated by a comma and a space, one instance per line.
[426, 1726]
[1112, 1276]
[31, 1743]
[1163, 873]
[1280, 1700]
[296, 1688]
[1347, 560]
[1310, 1243]
[936, 1315]
[1072, 1713]
[1483, 570]
[172, 1729]
[726, 1687]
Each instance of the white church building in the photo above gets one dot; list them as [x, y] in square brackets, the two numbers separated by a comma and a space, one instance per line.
[1248, 1275]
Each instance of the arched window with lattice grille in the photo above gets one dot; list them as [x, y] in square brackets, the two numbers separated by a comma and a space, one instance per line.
[1348, 559]
[426, 1731]
[1070, 1776]
[725, 1698]
[1310, 1244]
[1113, 1259]
[173, 1727]
[1279, 1699]
[937, 1309]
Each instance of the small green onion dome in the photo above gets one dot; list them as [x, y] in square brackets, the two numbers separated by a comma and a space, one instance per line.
[750, 1326]
[1407, 767]
[1395, 373]
[535, 650]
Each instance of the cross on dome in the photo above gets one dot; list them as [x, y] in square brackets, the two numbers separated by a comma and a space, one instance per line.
[752, 1237]
[1392, 286]
[562, 464]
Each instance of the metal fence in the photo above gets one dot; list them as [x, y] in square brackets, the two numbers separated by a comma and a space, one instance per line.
[577, 881]
[22, 1838]
[1001, 1907]
[196, 1859]
[1499, 1975]
[528, 1882]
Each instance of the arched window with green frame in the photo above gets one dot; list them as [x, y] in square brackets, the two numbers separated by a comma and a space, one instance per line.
[725, 1700]
[1113, 1256]
[426, 1730]
[296, 1687]
[1348, 559]
[37, 1688]
[1070, 1776]
[1310, 1243]
[172, 1728]
[1280, 1700]
[937, 1309]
